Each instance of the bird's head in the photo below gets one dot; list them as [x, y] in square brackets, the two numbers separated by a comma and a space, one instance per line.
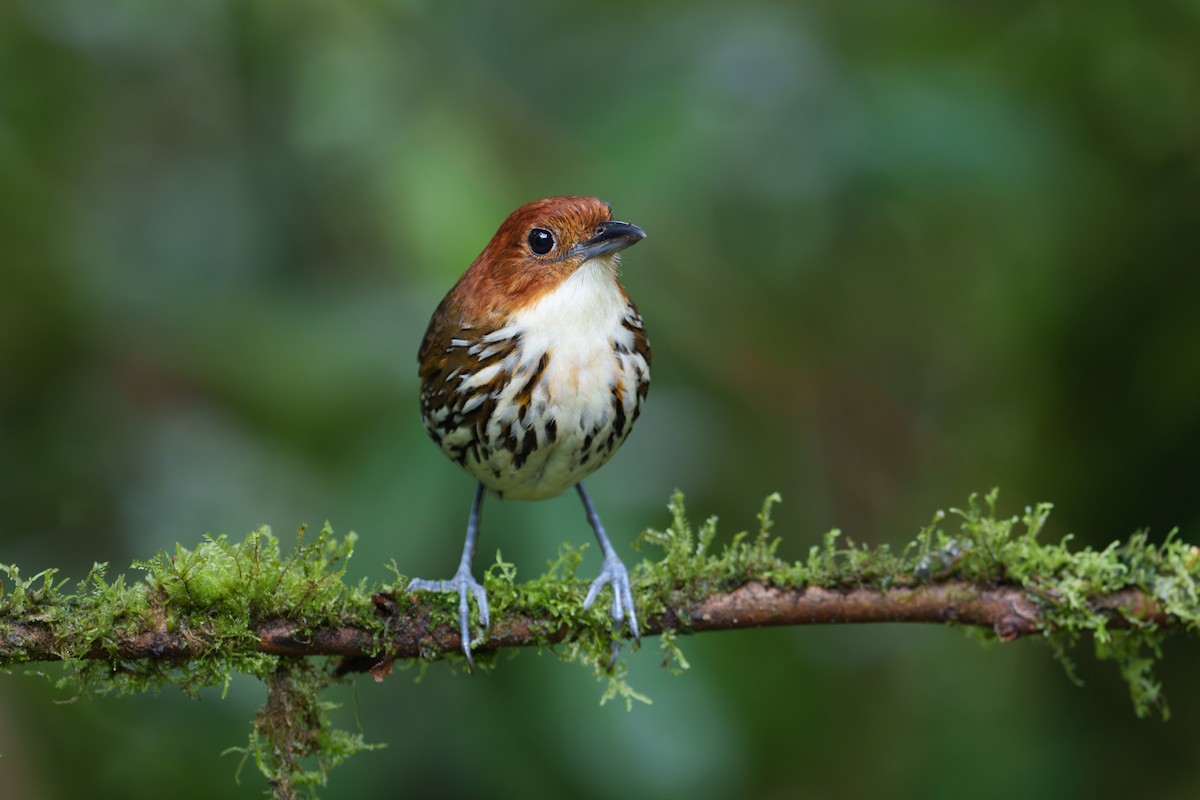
[540, 245]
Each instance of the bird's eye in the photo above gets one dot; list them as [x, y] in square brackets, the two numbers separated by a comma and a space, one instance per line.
[541, 241]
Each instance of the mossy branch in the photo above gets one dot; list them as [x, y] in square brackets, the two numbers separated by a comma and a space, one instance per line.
[1007, 610]
[201, 614]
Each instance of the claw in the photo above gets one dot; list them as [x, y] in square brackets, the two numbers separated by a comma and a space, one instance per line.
[464, 584]
[615, 575]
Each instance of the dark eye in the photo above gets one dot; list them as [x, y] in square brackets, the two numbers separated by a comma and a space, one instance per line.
[541, 241]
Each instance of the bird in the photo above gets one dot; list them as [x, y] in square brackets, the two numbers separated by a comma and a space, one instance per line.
[533, 370]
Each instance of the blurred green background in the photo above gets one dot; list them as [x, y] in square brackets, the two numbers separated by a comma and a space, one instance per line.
[897, 253]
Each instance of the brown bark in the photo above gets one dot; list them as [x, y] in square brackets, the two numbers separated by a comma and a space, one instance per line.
[1008, 610]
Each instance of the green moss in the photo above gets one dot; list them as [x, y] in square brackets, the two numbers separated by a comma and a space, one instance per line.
[293, 743]
[252, 578]
[975, 544]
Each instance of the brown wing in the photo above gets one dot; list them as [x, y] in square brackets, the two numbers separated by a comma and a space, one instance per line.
[456, 417]
[641, 344]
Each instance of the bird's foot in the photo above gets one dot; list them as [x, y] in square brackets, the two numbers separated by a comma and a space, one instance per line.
[615, 575]
[465, 585]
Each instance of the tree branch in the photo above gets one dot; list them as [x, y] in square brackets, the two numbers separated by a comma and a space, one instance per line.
[1008, 610]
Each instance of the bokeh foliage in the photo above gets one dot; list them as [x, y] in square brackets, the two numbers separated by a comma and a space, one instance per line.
[896, 253]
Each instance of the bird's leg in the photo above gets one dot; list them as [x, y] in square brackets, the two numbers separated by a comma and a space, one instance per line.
[613, 572]
[463, 582]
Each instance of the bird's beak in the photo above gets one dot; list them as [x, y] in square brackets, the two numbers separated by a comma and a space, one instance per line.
[610, 237]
